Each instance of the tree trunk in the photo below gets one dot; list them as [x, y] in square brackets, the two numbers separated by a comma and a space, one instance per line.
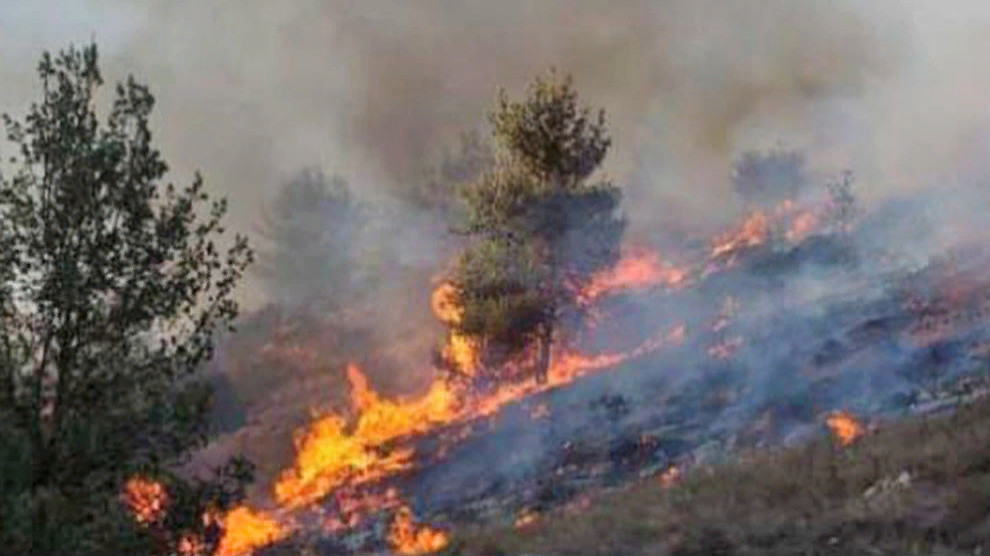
[546, 345]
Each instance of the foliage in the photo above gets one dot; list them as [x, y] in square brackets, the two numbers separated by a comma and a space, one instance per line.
[766, 178]
[438, 187]
[112, 290]
[309, 227]
[541, 225]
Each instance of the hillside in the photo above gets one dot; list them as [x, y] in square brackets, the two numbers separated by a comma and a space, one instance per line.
[920, 486]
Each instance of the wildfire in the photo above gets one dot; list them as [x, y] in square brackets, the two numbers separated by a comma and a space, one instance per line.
[445, 304]
[146, 499]
[464, 352]
[246, 529]
[526, 519]
[408, 538]
[639, 267]
[845, 427]
[330, 454]
[803, 224]
[754, 232]
[787, 219]
[671, 476]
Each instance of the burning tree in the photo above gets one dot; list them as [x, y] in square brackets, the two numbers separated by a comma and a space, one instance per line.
[542, 226]
[112, 289]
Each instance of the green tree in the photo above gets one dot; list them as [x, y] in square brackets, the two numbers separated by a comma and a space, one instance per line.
[112, 291]
[542, 225]
[439, 187]
[309, 226]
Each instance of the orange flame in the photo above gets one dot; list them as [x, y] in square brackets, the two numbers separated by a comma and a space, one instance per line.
[845, 427]
[146, 499]
[526, 519]
[671, 476]
[803, 224]
[795, 223]
[330, 455]
[639, 267]
[445, 304]
[408, 538]
[246, 529]
[340, 456]
[754, 232]
[464, 351]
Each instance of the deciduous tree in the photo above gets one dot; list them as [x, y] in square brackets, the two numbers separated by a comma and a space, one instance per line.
[113, 287]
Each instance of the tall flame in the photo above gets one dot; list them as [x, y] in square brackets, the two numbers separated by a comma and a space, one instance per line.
[330, 454]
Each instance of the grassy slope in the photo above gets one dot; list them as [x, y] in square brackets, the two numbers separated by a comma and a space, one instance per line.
[804, 500]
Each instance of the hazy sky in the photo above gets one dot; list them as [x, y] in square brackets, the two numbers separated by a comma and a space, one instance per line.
[251, 90]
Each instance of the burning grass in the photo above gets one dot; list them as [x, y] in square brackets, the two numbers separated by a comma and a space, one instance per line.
[918, 487]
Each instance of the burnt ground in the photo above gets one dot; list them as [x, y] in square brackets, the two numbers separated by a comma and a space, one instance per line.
[916, 486]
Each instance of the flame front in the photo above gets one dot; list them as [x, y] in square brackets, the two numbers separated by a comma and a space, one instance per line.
[845, 427]
[408, 538]
[330, 454]
[638, 268]
[754, 232]
[246, 529]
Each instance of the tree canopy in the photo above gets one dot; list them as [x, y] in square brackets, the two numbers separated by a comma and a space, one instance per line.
[113, 287]
[542, 226]
[310, 226]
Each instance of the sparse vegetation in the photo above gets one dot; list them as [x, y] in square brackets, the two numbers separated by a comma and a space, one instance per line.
[916, 487]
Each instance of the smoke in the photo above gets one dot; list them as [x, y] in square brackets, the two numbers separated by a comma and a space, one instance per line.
[251, 91]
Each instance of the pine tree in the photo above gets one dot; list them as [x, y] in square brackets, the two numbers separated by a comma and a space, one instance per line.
[542, 225]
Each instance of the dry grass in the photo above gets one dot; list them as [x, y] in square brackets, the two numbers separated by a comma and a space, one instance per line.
[803, 501]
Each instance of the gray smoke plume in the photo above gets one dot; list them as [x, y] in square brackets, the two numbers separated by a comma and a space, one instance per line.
[251, 91]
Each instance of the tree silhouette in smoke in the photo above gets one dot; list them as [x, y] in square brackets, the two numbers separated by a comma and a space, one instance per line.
[309, 228]
[766, 178]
